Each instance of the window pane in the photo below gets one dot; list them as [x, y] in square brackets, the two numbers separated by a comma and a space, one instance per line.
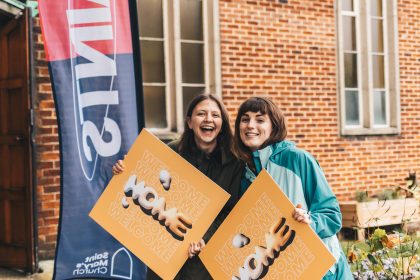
[352, 107]
[150, 18]
[155, 110]
[192, 63]
[377, 35]
[376, 8]
[348, 5]
[191, 20]
[378, 71]
[152, 60]
[350, 70]
[188, 93]
[349, 33]
[379, 107]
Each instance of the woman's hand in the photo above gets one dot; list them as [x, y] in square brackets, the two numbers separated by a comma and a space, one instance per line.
[118, 167]
[196, 248]
[301, 215]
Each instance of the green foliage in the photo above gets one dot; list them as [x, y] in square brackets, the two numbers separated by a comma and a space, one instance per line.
[388, 194]
[361, 196]
[385, 256]
[375, 241]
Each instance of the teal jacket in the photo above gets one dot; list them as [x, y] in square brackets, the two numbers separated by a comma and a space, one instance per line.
[300, 177]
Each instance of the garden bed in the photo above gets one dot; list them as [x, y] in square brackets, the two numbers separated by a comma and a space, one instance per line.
[363, 215]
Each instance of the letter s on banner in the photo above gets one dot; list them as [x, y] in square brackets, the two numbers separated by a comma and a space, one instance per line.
[103, 148]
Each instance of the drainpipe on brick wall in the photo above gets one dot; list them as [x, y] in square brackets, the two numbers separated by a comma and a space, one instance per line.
[32, 88]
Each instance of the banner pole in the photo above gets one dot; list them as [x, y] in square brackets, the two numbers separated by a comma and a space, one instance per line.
[135, 38]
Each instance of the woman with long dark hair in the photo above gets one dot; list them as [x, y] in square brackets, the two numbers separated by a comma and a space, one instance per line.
[207, 144]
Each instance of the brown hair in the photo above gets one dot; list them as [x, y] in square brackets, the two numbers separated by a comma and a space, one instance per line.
[264, 106]
[225, 137]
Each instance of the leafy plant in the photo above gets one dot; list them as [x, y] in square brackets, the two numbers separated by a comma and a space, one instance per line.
[388, 256]
[388, 194]
[383, 255]
[361, 196]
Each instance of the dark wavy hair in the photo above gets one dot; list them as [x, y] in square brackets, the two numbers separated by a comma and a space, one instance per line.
[224, 139]
[264, 106]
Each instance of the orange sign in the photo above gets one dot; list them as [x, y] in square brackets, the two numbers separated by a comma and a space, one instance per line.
[158, 205]
[260, 239]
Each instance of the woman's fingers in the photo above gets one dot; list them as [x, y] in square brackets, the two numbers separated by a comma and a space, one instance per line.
[118, 167]
[195, 248]
[120, 164]
[192, 250]
[202, 244]
[301, 215]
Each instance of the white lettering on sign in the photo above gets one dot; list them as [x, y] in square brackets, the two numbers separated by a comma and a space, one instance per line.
[149, 199]
[96, 264]
[86, 26]
[277, 239]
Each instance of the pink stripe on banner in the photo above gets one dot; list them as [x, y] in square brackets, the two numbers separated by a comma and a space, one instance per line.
[73, 28]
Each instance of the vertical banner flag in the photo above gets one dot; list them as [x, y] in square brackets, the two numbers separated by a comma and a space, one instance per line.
[89, 49]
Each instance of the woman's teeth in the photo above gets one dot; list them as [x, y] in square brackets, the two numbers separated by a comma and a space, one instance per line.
[206, 128]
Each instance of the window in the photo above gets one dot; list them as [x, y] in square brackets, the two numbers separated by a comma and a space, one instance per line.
[180, 58]
[368, 67]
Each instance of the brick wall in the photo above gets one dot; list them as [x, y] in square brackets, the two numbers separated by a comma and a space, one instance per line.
[47, 152]
[288, 52]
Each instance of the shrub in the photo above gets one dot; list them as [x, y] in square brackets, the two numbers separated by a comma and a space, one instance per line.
[385, 256]
[388, 194]
[361, 196]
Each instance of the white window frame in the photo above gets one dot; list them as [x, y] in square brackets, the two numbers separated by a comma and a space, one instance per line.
[386, 65]
[364, 69]
[354, 14]
[173, 61]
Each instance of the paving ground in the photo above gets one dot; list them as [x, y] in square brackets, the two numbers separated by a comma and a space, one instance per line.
[47, 268]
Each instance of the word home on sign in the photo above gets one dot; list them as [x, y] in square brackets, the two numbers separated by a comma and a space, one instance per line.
[154, 205]
[257, 264]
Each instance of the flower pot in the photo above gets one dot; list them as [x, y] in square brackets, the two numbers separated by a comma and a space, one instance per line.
[363, 215]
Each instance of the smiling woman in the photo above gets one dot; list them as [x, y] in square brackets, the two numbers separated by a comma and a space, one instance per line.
[207, 144]
[260, 133]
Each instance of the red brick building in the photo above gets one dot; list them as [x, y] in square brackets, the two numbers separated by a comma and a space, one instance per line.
[346, 73]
